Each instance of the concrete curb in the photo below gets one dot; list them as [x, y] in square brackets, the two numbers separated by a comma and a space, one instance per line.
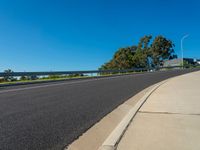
[113, 139]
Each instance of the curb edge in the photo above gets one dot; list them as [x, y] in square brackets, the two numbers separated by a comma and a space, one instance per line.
[114, 138]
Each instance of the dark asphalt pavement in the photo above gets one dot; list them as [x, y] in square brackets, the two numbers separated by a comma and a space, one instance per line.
[50, 116]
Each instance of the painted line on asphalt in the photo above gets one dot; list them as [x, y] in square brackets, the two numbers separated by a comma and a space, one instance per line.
[67, 83]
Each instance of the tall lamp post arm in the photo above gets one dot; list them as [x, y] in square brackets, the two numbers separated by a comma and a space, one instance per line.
[182, 39]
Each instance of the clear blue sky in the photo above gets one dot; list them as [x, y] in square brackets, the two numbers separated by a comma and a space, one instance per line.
[44, 35]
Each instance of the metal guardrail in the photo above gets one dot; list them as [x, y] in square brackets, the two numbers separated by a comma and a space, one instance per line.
[17, 74]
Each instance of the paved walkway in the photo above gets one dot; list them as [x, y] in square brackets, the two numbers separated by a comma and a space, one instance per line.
[170, 118]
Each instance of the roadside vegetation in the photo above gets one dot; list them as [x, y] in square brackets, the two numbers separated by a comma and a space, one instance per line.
[149, 54]
[9, 79]
[26, 79]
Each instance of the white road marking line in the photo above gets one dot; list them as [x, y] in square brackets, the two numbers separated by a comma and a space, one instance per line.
[57, 84]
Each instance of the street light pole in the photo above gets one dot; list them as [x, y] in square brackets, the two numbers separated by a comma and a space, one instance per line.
[182, 39]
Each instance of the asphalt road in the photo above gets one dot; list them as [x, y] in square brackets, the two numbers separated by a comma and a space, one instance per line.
[52, 115]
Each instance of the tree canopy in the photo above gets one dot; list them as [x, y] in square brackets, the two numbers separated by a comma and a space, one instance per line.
[147, 54]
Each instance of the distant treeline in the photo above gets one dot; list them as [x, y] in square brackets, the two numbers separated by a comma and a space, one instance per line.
[8, 78]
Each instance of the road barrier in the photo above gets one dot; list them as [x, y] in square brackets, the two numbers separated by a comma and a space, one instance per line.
[17, 74]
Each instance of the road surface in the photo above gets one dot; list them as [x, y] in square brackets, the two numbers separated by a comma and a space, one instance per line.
[50, 116]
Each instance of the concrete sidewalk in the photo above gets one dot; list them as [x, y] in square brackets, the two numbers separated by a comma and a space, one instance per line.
[170, 118]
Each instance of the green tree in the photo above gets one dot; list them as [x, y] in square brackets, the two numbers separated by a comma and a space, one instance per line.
[23, 78]
[7, 77]
[146, 54]
[161, 49]
[140, 59]
[122, 59]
